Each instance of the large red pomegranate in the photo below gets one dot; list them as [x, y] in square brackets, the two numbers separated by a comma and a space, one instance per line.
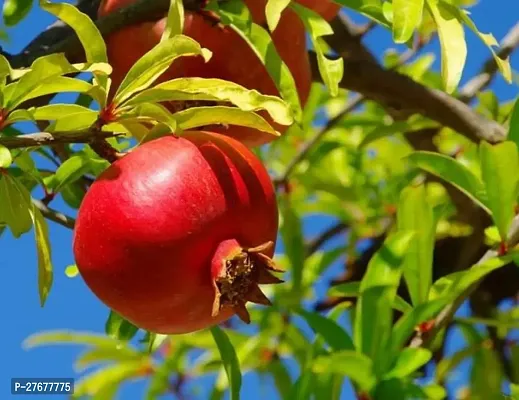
[232, 59]
[177, 235]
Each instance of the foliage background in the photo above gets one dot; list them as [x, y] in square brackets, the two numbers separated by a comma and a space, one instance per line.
[72, 306]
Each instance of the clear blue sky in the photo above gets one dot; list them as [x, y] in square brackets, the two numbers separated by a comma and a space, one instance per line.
[72, 306]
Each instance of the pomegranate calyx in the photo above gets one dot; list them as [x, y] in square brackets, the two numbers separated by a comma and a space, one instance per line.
[238, 281]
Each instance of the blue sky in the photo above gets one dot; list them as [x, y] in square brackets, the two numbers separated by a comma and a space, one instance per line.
[72, 306]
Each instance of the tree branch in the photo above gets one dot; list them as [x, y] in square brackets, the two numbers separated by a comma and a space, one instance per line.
[53, 215]
[46, 138]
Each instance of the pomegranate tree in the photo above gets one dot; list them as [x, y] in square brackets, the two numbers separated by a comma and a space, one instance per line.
[177, 235]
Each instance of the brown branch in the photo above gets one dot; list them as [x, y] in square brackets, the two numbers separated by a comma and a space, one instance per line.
[314, 244]
[49, 41]
[46, 138]
[53, 215]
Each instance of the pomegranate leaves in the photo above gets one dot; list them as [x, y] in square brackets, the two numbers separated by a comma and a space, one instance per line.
[261, 42]
[230, 361]
[155, 62]
[331, 70]
[218, 90]
[175, 20]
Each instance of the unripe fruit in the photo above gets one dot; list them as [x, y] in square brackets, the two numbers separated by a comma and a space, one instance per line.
[232, 58]
[177, 235]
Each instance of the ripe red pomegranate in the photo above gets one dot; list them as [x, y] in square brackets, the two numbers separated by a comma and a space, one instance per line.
[176, 235]
[232, 59]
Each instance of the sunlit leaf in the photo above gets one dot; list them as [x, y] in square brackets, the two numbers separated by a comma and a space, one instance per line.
[175, 20]
[229, 360]
[452, 40]
[15, 209]
[407, 15]
[16, 10]
[453, 172]
[352, 364]
[415, 213]
[155, 62]
[273, 12]
[331, 70]
[119, 328]
[501, 186]
[5, 157]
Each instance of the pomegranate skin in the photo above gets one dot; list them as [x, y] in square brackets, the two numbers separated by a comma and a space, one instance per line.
[154, 227]
[232, 58]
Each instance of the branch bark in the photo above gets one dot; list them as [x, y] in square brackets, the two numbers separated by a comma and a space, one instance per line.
[53, 215]
[47, 139]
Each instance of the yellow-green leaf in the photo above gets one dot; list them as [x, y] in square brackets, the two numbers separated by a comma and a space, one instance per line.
[15, 204]
[497, 165]
[273, 12]
[331, 70]
[155, 62]
[5, 157]
[202, 89]
[175, 20]
[453, 45]
[407, 15]
[202, 116]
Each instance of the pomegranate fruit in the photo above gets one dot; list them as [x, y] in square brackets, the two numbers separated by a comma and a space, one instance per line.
[232, 59]
[176, 235]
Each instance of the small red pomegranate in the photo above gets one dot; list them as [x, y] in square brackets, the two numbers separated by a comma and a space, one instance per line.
[177, 235]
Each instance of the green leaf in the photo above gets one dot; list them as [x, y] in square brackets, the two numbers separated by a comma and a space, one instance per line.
[453, 285]
[406, 324]
[71, 271]
[352, 364]
[378, 290]
[83, 26]
[175, 20]
[452, 40]
[203, 116]
[501, 186]
[53, 112]
[453, 172]
[370, 8]
[15, 11]
[56, 84]
[14, 211]
[229, 360]
[336, 337]
[106, 380]
[74, 122]
[68, 337]
[487, 375]
[407, 15]
[201, 89]
[513, 130]
[273, 12]
[99, 355]
[5, 157]
[415, 213]
[261, 42]
[71, 170]
[119, 328]
[490, 41]
[409, 360]
[331, 70]
[155, 62]
[291, 231]
[45, 274]
[352, 289]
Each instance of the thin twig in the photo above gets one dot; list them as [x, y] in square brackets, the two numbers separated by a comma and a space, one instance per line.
[53, 215]
[47, 138]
